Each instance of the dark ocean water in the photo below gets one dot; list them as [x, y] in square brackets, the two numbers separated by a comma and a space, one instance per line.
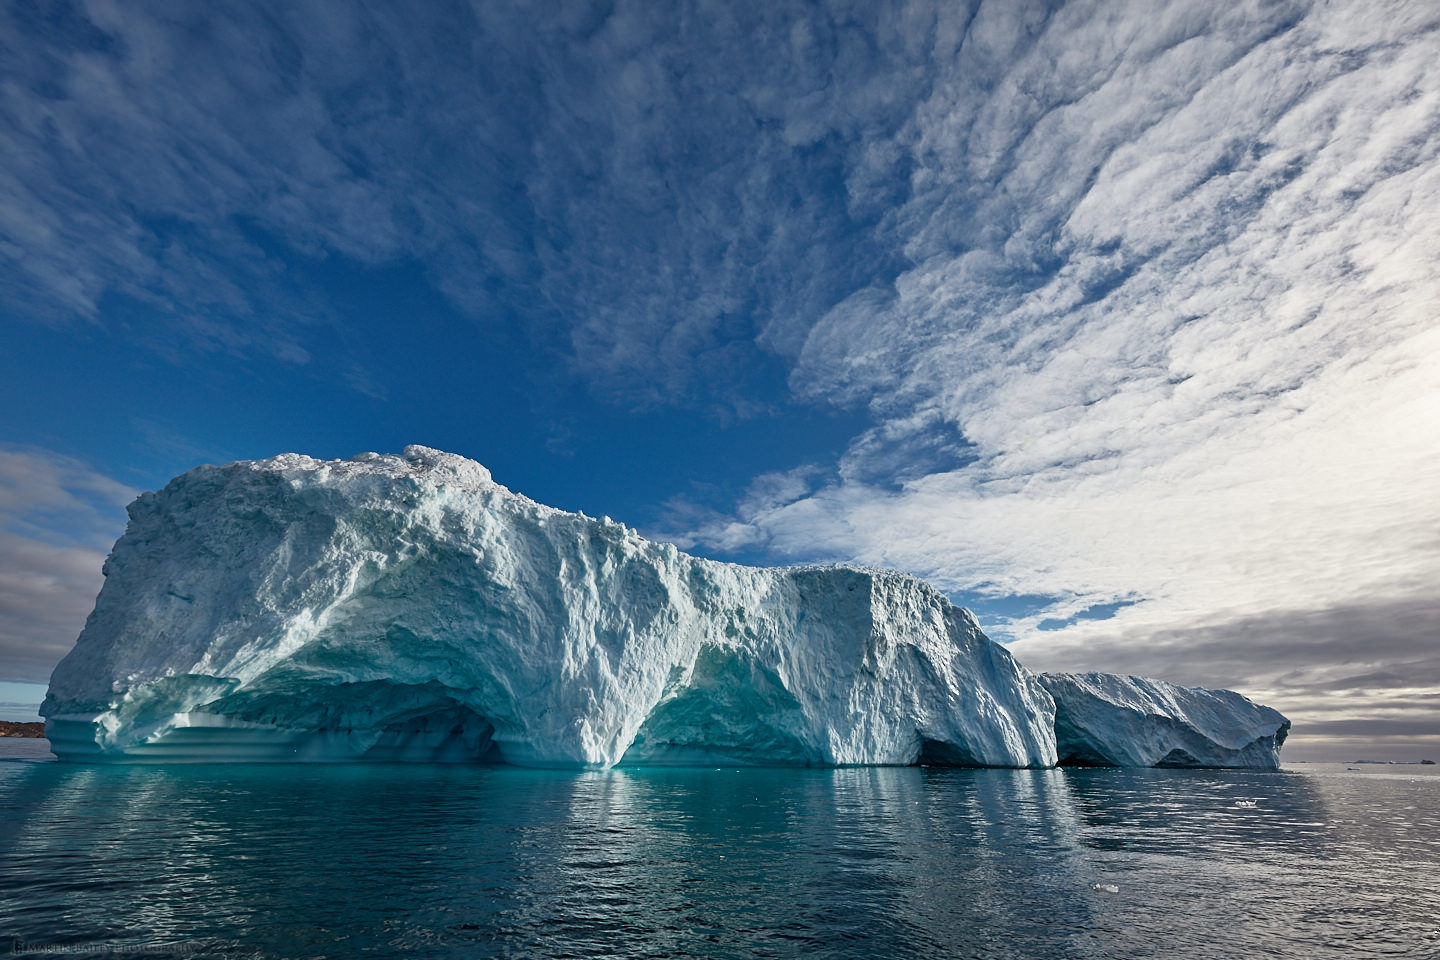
[432, 861]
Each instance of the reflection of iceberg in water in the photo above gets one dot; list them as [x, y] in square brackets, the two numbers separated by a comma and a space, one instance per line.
[117, 857]
[543, 862]
[885, 855]
[610, 862]
[1002, 860]
[1199, 812]
[440, 861]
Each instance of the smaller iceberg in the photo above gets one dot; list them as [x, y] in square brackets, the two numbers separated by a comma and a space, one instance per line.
[1104, 720]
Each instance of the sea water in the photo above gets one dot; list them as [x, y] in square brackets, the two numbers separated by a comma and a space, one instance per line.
[470, 861]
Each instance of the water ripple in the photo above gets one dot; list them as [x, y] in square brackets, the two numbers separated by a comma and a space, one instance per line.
[420, 862]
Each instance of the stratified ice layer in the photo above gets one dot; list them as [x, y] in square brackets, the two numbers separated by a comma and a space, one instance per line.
[1105, 720]
[411, 608]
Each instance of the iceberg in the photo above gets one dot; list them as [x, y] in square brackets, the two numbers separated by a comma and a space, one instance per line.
[411, 608]
[1107, 720]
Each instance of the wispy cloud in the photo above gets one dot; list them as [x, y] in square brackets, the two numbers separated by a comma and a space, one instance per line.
[689, 524]
[1172, 295]
[58, 518]
[643, 189]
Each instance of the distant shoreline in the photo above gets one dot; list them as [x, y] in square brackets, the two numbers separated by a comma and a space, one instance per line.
[13, 728]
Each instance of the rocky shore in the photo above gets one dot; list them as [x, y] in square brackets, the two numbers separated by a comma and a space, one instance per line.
[14, 728]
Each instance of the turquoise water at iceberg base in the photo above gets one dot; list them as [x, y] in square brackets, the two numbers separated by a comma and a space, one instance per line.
[463, 861]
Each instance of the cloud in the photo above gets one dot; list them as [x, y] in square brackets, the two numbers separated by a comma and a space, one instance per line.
[644, 190]
[1171, 293]
[687, 523]
[668, 199]
[58, 518]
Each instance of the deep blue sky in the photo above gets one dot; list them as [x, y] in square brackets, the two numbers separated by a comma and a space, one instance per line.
[1116, 322]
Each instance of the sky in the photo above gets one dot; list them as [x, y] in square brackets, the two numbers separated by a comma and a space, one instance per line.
[1119, 323]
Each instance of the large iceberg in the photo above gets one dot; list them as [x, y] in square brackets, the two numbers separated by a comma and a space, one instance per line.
[1105, 720]
[410, 608]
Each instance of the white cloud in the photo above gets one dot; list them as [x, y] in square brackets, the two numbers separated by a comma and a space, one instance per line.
[58, 518]
[641, 187]
[1173, 278]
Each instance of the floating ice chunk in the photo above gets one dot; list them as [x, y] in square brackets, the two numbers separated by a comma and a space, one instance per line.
[1107, 720]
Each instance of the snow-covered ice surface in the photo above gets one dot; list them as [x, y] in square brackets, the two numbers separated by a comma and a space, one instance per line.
[409, 607]
[1107, 720]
